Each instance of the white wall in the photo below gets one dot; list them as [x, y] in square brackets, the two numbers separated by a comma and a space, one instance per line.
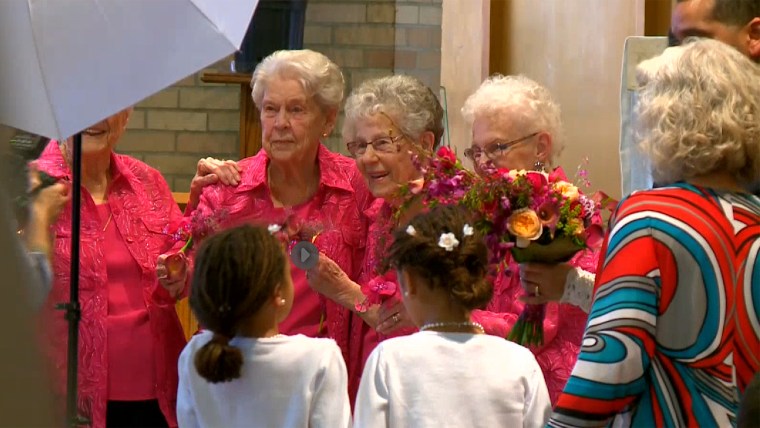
[575, 48]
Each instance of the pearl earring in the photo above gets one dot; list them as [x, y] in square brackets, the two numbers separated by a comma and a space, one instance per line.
[282, 301]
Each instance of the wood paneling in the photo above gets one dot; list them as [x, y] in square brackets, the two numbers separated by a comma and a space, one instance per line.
[574, 48]
[657, 17]
[186, 317]
[464, 59]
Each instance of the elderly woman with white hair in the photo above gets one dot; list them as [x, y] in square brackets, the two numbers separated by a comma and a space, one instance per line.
[388, 120]
[295, 182]
[516, 125]
[672, 337]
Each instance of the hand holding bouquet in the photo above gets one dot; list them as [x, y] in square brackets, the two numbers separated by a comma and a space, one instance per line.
[526, 216]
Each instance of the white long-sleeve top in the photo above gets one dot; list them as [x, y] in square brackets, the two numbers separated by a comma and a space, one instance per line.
[286, 381]
[432, 379]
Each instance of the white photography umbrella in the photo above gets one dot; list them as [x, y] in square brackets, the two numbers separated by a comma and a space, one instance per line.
[67, 64]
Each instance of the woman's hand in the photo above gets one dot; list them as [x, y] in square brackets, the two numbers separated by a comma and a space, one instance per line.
[212, 171]
[393, 316]
[543, 282]
[43, 212]
[328, 279]
[171, 270]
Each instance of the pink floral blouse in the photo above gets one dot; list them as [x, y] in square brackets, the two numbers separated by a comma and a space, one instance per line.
[141, 204]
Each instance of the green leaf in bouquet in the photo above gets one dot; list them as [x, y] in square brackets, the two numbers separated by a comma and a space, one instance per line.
[559, 250]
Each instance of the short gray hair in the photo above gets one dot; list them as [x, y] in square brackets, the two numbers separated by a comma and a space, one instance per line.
[412, 106]
[523, 100]
[699, 112]
[319, 77]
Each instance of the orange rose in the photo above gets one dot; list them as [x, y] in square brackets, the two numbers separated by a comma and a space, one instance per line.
[567, 190]
[525, 225]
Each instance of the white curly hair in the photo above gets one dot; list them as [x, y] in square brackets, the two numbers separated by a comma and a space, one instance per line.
[699, 112]
[319, 76]
[521, 100]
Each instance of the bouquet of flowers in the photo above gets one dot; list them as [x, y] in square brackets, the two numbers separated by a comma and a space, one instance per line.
[537, 217]
[528, 215]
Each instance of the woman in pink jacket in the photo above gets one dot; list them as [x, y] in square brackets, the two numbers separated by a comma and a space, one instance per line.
[129, 336]
[296, 183]
[516, 125]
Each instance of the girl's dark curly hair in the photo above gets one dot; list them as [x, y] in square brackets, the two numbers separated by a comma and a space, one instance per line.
[461, 271]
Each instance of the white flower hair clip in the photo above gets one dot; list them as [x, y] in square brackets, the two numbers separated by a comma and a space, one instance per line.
[274, 228]
[448, 241]
[411, 231]
[467, 230]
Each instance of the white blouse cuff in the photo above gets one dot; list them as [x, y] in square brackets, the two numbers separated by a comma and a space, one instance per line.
[579, 289]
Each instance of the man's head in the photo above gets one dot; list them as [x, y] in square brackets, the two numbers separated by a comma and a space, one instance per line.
[734, 22]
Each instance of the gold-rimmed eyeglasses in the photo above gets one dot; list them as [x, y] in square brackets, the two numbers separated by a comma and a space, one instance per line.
[380, 145]
[495, 149]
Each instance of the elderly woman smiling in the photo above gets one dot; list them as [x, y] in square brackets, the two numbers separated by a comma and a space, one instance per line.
[296, 180]
[517, 125]
[387, 120]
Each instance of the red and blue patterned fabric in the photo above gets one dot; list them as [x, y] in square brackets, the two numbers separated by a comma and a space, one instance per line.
[672, 337]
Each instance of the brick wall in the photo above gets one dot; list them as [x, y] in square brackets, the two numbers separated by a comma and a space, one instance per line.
[366, 38]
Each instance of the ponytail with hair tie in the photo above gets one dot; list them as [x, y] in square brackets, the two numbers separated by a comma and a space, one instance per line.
[221, 339]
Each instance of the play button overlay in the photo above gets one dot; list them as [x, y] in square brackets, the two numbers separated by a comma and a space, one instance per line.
[304, 255]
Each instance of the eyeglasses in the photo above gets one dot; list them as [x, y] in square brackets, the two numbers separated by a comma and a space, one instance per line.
[495, 149]
[380, 145]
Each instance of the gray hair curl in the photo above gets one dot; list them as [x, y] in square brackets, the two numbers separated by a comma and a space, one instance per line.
[411, 105]
[699, 112]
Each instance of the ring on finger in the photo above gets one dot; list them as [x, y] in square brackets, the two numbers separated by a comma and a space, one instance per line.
[537, 292]
[395, 318]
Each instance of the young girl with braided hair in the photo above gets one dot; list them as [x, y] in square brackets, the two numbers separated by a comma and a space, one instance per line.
[449, 373]
[241, 371]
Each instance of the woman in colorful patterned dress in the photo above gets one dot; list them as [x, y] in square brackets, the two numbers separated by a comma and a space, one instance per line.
[516, 125]
[672, 338]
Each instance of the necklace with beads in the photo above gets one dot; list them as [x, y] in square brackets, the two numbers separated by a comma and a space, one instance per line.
[453, 325]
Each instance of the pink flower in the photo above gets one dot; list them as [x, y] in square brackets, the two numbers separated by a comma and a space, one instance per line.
[537, 180]
[548, 214]
[446, 153]
[179, 229]
[379, 289]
